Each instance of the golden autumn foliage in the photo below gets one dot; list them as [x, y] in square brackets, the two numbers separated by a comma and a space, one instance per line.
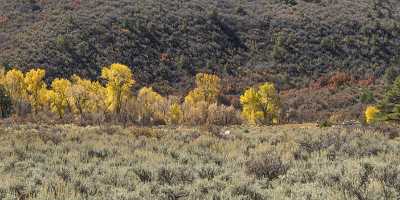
[86, 96]
[252, 107]
[270, 101]
[58, 96]
[148, 97]
[93, 101]
[2, 74]
[44, 98]
[80, 94]
[261, 105]
[35, 87]
[371, 114]
[15, 85]
[207, 89]
[175, 114]
[119, 84]
[99, 102]
[150, 104]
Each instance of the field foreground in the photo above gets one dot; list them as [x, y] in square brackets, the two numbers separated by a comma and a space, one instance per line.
[283, 162]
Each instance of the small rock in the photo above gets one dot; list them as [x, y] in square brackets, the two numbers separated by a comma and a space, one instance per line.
[226, 133]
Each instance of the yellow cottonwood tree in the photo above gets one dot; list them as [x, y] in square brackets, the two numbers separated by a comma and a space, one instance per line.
[207, 89]
[44, 97]
[252, 107]
[175, 114]
[34, 84]
[196, 103]
[148, 97]
[58, 96]
[119, 84]
[88, 98]
[100, 104]
[2, 74]
[261, 105]
[80, 94]
[150, 102]
[15, 85]
[209, 85]
[371, 114]
[195, 96]
[270, 101]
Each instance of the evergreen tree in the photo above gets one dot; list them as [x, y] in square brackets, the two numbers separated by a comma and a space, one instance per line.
[390, 105]
[5, 103]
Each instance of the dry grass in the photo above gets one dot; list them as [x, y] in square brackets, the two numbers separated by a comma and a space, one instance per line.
[283, 162]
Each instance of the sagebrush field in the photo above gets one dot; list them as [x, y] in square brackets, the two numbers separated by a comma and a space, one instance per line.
[236, 162]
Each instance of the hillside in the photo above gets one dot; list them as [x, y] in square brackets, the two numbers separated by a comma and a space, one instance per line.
[292, 43]
[284, 162]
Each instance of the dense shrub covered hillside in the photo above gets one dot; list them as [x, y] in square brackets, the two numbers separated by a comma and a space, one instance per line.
[325, 57]
[167, 42]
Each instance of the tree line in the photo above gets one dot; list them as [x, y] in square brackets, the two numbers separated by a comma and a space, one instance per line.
[111, 99]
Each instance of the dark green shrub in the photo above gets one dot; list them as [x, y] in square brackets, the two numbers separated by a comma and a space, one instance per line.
[289, 2]
[5, 104]
[390, 105]
[324, 124]
[144, 174]
[390, 75]
[174, 175]
[367, 96]
[173, 193]
[390, 175]
[248, 191]
[268, 165]
[208, 172]
[99, 153]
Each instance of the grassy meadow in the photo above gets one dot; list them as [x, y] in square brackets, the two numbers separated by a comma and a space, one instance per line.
[237, 162]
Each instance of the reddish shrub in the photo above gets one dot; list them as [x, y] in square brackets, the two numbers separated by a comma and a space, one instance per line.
[164, 57]
[3, 19]
[339, 79]
[230, 100]
[229, 86]
[76, 4]
[319, 83]
[367, 82]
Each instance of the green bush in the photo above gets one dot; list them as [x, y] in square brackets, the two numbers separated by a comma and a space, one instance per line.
[367, 97]
[268, 165]
[390, 104]
[5, 104]
[390, 75]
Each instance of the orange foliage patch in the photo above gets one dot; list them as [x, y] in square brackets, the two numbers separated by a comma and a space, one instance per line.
[339, 79]
[124, 30]
[367, 82]
[164, 57]
[319, 83]
[3, 19]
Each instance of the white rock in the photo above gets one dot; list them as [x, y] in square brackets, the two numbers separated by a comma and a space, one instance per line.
[226, 133]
